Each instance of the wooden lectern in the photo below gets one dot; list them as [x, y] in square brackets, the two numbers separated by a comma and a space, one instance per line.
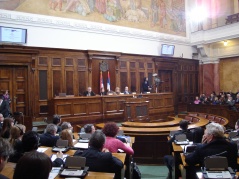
[136, 110]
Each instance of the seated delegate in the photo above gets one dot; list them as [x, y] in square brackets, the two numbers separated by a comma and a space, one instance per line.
[213, 143]
[89, 92]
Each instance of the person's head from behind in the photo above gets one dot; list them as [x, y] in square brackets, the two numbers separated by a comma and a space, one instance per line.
[56, 119]
[67, 135]
[97, 140]
[51, 129]
[5, 151]
[30, 141]
[33, 165]
[16, 132]
[89, 128]
[66, 125]
[183, 124]
[110, 129]
[7, 124]
[213, 131]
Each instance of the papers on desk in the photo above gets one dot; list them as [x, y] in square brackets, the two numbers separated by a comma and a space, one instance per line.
[53, 157]
[190, 143]
[82, 145]
[54, 172]
[72, 172]
[219, 174]
[42, 149]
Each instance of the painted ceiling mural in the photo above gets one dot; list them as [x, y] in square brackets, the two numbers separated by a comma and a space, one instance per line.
[165, 16]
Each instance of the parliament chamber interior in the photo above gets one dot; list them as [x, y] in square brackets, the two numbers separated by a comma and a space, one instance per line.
[52, 52]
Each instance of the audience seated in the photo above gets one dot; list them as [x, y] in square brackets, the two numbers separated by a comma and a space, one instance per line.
[5, 151]
[99, 159]
[197, 100]
[6, 127]
[57, 121]
[17, 132]
[49, 138]
[112, 144]
[33, 165]
[66, 125]
[89, 92]
[67, 135]
[213, 143]
[169, 159]
[88, 128]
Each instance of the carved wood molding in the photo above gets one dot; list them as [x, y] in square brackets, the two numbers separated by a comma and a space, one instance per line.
[100, 55]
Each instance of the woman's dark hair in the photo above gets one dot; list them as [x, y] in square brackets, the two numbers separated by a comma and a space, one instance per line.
[7, 124]
[88, 128]
[110, 129]
[183, 124]
[97, 140]
[33, 165]
[30, 141]
[56, 119]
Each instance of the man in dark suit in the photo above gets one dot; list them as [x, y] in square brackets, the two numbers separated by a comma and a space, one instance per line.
[89, 92]
[213, 143]
[99, 159]
[49, 138]
[4, 107]
[5, 151]
[126, 90]
[169, 159]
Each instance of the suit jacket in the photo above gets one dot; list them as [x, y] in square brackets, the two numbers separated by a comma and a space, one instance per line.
[127, 93]
[188, 133]
[48, 140]
[4, 108]
[145, 87]
[215, 147]
[102, 162]
[86, 93]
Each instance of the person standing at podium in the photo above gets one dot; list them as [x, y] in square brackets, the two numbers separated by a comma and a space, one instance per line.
[89, 92]
[145, 85]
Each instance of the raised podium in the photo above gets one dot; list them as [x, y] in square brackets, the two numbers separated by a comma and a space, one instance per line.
[136, 109]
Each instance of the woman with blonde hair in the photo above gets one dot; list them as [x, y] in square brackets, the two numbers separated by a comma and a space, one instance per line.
[16, 134]
[67, 135]
[6, 127]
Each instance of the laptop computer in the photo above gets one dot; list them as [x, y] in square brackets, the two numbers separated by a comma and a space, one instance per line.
[181, 139]
[74, 167]
[61, 145]
[84, 137]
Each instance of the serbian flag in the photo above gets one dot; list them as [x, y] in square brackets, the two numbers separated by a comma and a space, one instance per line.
[101, 81]
[108, 81]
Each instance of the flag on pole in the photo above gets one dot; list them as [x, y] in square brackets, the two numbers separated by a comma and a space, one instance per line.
[108, 81]
[101, 81]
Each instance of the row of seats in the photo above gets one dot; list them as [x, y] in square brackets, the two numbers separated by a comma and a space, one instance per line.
[191, 117]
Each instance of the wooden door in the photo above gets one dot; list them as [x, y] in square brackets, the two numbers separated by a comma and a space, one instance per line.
[166, 78]
[14, 79]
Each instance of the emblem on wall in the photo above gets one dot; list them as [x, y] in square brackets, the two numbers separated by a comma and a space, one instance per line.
[104, 66]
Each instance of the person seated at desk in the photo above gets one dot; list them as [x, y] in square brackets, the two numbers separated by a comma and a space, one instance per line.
[89, 92]
[99, 159]
[6, 127]
[103, 92]
[110, 129]
[67, 135]
[57, 121]
[88, 129]
[126, 90]
[5, 151]
[117, 91]
[213, 143]
[145, 85]
[169, 159]
[49, 138]
[33, 165]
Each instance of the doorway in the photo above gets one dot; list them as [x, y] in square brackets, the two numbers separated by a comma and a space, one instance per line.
[15, 80]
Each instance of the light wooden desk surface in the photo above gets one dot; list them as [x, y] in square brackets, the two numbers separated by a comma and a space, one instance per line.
[9, 170]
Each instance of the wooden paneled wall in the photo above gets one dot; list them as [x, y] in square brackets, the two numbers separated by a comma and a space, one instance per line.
[54, 71]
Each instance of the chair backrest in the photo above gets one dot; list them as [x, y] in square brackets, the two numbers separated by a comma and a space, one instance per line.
[75, 162]
[210, 118]
[192, 114]
[217, 119]
[202, 115]
[188, 118]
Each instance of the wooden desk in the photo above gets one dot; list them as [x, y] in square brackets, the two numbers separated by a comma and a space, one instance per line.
[8, 171]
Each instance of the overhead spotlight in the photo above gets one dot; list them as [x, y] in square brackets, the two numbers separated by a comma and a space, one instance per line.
[225, 42]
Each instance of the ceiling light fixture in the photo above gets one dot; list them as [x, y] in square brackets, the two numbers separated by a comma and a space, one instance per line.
[225, 42]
